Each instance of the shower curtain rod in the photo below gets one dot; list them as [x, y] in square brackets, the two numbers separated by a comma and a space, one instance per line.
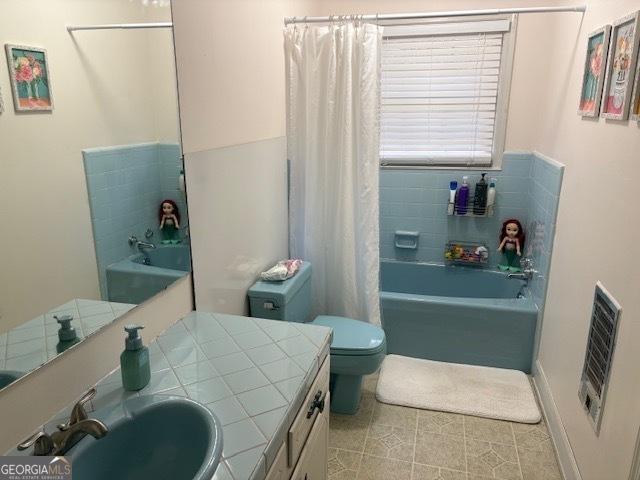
[455, 13]
[119, 26]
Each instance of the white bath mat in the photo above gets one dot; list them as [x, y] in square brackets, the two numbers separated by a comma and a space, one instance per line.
[450, 387]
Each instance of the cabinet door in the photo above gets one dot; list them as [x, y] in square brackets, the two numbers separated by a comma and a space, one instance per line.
[301, 426]
[313, 460]
[279, 470]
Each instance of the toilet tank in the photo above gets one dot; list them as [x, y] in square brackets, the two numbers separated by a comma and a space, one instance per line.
[288, 300]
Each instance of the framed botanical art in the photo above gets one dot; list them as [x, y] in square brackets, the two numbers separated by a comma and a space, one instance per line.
[623, 52]
[30, 80]
[593, 73]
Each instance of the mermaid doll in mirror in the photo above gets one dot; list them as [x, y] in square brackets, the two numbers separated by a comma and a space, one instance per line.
[511, 244]
[169, 217]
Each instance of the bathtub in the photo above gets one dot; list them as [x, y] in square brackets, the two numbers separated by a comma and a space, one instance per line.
[140, 276]
[457, 314]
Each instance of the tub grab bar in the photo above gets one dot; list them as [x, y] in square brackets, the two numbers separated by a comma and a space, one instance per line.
[406, 240]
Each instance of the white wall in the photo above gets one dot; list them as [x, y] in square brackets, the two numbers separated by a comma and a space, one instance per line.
[109, 88]
[595, 240]
[231, 86]
[238, 197]
[231, 69]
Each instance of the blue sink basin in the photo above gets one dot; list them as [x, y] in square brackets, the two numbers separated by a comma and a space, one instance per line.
[151, 437]
[7, 377]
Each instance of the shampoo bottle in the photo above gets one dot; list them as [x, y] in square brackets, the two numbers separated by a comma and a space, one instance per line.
[463, 197]
[480, 197]
[134, 361]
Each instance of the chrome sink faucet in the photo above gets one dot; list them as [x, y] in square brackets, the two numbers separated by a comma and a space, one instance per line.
[133, 241]
[527, 270]
[68, 434]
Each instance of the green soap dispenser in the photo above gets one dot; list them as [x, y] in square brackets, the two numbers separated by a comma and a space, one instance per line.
[66, 333]
[134, 361]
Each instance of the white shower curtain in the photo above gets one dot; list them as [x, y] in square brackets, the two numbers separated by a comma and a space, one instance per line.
[332, 142]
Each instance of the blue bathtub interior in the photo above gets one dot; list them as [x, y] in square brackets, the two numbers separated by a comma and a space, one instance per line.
[141, 276]
[172, 257]
[457, 314]
[454, 281]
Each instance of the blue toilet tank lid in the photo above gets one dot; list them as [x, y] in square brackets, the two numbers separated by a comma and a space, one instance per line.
[353, 337]
[281, 292]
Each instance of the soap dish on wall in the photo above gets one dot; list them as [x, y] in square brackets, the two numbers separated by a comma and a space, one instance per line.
[466, 253]
[406, 240]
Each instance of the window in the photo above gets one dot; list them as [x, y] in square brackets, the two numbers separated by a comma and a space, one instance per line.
[444, 92]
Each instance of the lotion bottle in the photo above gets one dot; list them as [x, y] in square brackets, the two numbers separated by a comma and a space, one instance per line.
[453, 189]
[491, 196]
[134, 361]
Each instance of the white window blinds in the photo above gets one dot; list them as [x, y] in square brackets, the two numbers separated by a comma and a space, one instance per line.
[439, 92]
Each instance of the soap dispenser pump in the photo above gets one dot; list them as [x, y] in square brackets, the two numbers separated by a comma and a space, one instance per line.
[134, 361]
[66, 333]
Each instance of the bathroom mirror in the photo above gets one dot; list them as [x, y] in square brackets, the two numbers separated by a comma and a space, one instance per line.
[94, 211]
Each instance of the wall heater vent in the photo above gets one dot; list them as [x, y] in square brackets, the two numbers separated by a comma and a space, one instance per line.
[605, 318]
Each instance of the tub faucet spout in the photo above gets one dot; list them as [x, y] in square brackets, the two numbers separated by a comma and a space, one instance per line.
[527, 270]
[142, 246]
[519, 276]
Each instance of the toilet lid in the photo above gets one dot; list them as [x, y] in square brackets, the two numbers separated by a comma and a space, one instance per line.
[353, 337]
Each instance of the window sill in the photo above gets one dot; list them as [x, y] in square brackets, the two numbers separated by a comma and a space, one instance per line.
[476, 168]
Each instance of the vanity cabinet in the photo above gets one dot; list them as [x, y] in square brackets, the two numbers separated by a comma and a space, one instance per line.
[304, 453]
[312, 464]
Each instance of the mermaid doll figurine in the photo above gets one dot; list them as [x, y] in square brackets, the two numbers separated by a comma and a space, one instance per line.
[169, 218]
[511, 244]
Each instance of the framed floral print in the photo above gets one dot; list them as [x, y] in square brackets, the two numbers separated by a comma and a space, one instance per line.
[30, 80]
[635, 98]
[593, 73]
[623, 53]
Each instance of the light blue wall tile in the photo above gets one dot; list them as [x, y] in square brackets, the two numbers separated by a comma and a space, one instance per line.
[546, 180]
[125, 186]
[528, 188]
[417, 199]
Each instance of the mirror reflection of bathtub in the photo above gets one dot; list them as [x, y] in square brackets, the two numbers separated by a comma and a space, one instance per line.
[140, 276]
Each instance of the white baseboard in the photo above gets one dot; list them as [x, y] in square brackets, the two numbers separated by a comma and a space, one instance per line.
[566, 459]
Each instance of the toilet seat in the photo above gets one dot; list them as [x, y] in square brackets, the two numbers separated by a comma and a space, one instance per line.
[353, 337]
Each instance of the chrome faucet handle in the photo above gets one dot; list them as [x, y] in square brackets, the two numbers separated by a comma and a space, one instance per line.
[526, 263]
[40, 441]
[79, 413]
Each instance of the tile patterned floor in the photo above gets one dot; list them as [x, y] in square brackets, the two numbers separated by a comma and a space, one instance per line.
[389, 442]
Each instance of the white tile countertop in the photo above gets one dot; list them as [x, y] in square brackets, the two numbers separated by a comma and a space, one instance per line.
[253, 374]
